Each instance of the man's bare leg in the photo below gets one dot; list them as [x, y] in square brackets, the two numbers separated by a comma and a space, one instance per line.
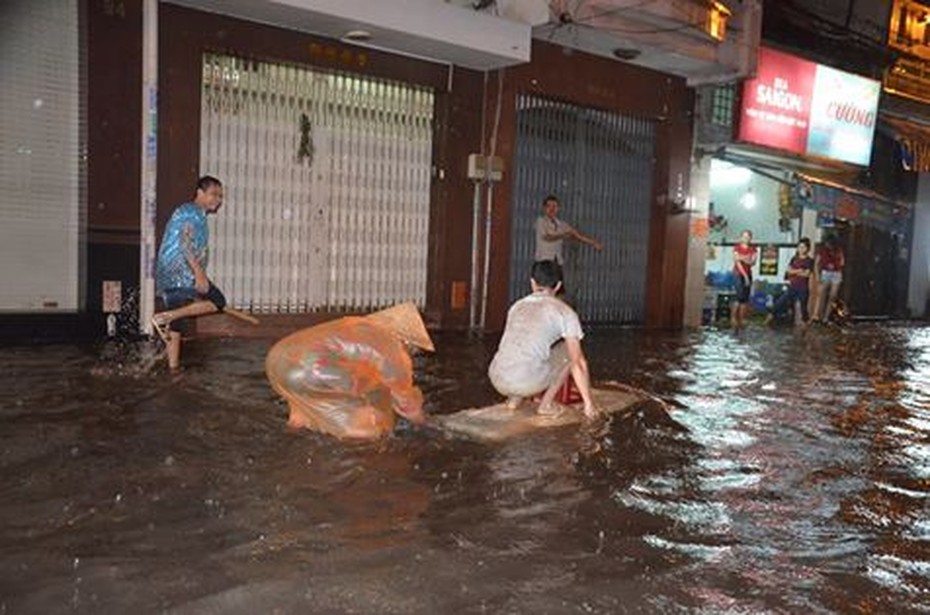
[174, 349]
[162, 321]
[545, 404]
[583, 382]
[834, 293]
[819, 312]
[197, 308]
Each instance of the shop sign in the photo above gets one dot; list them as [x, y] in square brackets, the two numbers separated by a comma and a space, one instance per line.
[832, 204]
[768, 260]
[809, 109]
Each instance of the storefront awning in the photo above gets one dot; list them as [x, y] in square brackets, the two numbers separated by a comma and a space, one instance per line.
[853, 204]
[823, 186]
[914, 140]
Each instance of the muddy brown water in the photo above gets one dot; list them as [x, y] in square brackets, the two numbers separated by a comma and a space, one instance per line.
[792, 476]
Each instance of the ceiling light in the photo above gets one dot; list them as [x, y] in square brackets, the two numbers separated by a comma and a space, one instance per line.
[356, 35]
[625, 53]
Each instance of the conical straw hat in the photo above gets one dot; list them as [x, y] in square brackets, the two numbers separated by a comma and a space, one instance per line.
[404, 321]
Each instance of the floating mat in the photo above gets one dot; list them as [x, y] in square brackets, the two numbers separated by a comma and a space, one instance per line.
[496, 423]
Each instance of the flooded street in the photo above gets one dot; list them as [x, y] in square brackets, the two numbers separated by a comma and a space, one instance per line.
[792, 477]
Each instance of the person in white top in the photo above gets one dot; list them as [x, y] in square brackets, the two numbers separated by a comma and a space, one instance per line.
[541, 346]
[551, 233]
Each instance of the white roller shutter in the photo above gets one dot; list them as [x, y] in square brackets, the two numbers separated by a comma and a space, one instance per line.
[41, 173]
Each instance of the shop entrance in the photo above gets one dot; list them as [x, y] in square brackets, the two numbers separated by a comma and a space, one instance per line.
[600, 166]
[327, 186]
[776, 207]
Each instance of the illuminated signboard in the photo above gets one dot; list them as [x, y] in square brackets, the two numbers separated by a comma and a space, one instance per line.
[809, 108]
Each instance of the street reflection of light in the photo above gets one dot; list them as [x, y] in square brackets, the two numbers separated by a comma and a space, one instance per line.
[717, 422]
[697, 515]
[915, 428]
[698, 551]
[727, 474]
[892, 571]
[919, 459]
[919, 530]
[918, 424]
[902, 491]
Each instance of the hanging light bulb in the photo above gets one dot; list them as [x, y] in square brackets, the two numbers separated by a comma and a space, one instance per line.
[748, 200]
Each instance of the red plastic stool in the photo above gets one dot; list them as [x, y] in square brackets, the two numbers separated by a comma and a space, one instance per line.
[568, 393]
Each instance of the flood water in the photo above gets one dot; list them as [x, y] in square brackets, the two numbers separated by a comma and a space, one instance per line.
[792, 475]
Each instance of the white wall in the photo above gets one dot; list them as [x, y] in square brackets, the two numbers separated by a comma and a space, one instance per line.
[697, 245]
[919, 283]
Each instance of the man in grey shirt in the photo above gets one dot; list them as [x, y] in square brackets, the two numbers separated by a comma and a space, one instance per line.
[541, 346]
[551, 233]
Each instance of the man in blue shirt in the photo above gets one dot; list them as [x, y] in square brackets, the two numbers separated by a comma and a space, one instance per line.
[181, 284]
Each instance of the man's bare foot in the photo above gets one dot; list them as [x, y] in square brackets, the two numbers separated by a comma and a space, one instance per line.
[592, 412]
[551, 408]
[160, 326]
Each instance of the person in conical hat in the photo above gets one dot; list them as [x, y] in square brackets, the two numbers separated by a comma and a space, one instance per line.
[351, 377]
[405, 322]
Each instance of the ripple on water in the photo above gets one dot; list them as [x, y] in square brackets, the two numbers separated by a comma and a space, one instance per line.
[701, 516]
[724, 474]
[900, 574]
[917, 459]
[704, 552]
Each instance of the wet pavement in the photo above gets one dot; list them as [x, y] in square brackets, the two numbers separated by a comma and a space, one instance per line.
[792, 475]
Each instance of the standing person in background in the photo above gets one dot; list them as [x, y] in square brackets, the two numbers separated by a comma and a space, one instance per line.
[798, 276]
[829, 264]
[181, 283]
[551, 232]
[744, 259]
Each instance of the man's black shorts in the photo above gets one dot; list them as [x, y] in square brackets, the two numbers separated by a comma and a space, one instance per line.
[743, 289]
[173, 298]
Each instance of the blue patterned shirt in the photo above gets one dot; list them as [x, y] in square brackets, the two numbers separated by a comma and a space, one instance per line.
[186, 233]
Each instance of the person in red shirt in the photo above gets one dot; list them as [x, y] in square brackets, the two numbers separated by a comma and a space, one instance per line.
[829, 266]
[798, 276]
[744, 258]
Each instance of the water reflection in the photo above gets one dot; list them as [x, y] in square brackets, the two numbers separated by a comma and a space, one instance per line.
[793, 474]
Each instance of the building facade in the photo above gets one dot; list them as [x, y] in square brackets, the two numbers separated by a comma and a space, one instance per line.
[345, 153]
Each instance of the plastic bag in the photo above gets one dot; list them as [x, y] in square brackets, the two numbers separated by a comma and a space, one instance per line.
[348, 378]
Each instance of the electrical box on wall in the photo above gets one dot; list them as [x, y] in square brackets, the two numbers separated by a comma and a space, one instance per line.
[479, 167]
